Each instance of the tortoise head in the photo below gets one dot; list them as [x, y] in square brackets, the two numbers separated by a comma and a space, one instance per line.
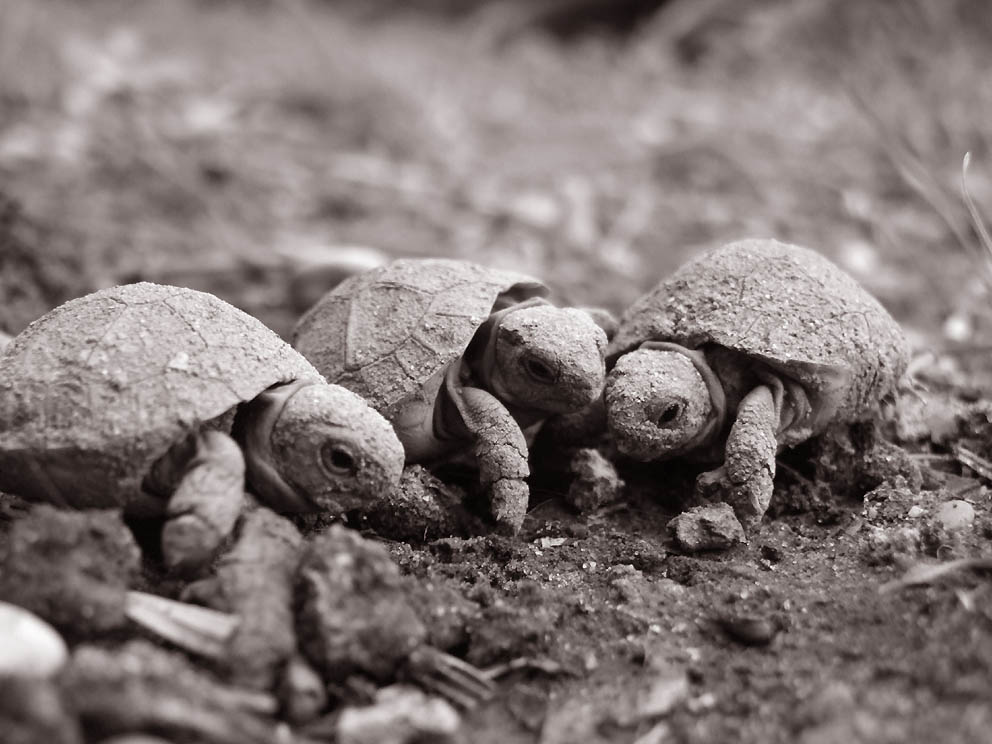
[548, 359]
[662, 402]
[321, 448]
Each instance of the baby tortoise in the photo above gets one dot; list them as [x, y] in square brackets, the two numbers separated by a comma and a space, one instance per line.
[124, 397]
[459, 357]
[748, 348]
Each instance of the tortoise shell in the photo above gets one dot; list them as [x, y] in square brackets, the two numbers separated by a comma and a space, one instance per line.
[95, 391]
[783, 305]
[389, 334]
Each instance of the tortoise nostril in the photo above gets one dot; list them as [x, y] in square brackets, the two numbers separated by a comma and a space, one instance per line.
[670, 414]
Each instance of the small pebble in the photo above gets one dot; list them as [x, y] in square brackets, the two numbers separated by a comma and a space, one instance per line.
[662, 696]
[301, 691]
[399, 715]
[749, 630]
[595, 481]
[708, 527]
[955, 514]
[916, 512]
[29, 647]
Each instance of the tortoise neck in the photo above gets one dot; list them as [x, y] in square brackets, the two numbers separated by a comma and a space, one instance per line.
[478, 368]
[481, 362]
[252, 429]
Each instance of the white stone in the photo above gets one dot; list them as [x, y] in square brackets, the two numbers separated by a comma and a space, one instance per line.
[29, 646]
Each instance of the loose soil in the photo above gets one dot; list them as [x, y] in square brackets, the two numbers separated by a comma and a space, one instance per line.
[243, 147]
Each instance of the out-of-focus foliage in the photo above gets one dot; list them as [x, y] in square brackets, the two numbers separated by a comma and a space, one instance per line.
[207, 143]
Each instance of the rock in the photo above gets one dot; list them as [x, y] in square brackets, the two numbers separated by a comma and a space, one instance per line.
[138, 686]
[71, 568]
[29, 647]
[301, 692]
[400, 715]
[422, 508]
[832, 716]
[659, 734]
[33, 711]
[571, 721]
[662, 696]
[708, 527]
[353, 617]
[528, 704]
[955, 514]
[254, 580]
[749, 630]
[595, 480]
[835, 699]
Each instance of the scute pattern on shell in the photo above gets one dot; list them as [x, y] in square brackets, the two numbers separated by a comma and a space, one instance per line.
[788, 306]
[95, 391]
[385, 333]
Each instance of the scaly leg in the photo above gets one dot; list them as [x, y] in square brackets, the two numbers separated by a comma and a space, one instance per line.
[500, 450]
[206, 504]
[746, 477]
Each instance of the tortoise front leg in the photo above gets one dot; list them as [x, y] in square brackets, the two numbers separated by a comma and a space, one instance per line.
[500, 450]
[205, 505]
[748, 471]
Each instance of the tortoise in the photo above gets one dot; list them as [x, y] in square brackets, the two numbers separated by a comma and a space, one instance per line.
[749, 348]
[166, 400]
[459, 357]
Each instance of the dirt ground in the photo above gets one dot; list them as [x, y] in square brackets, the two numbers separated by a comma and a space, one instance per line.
[258, 150]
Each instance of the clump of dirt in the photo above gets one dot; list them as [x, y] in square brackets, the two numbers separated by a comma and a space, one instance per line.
[140, 687]
[33, 710]
[254, 580]
[422, 508]
[71, 568]
[353, 617]
[210, 147]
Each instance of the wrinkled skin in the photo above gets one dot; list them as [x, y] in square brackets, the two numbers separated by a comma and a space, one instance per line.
[547, 360]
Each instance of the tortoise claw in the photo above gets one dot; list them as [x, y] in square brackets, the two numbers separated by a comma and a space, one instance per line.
[453, 679]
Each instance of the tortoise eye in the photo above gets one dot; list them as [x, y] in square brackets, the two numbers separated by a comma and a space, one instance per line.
[539, 371]
[670, 414]
[337, 459]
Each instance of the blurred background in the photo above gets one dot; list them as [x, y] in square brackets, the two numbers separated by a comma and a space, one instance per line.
[258, 148]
